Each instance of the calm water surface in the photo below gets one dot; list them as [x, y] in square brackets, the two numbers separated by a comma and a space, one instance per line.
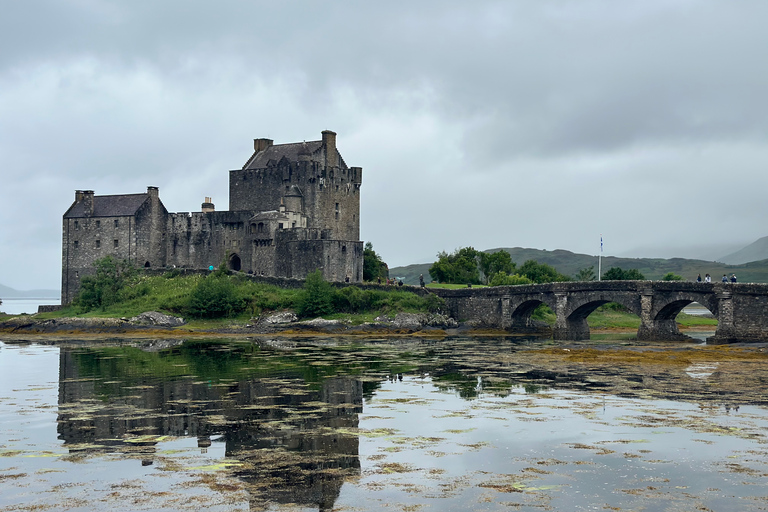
[328, 424]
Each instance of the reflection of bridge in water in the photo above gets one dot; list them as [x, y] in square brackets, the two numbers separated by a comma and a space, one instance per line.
[741, 309]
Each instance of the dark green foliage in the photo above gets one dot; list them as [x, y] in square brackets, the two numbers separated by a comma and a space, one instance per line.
[216, 296]
[317, 298]
[619, 274]
[586, 274]
[320, 298]
[541, 272]
[502, 279]
[491, 264]
[373, 267]
[670, 276]
[106, 287]
[459, 267]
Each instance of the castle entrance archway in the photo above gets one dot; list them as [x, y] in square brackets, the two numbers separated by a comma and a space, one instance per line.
[234, 263]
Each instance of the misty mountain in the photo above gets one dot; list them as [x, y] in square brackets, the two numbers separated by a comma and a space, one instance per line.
[757, 250]
[6, 292]
[569, 263]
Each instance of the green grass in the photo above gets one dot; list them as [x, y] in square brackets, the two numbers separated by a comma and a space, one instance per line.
[170, 295]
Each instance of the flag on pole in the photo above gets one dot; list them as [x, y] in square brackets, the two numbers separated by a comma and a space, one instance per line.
[601, 243]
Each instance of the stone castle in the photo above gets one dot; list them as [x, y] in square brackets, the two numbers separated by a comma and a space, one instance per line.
[293, 208]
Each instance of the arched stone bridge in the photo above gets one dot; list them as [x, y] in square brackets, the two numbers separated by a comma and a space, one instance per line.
[741, 309]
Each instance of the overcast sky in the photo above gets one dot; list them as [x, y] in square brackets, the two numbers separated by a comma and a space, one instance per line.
[488, 123]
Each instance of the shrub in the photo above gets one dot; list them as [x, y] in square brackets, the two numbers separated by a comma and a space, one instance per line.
[317, 298]
[502, 279]
[215, 296]
[106, 287]
[669, 276]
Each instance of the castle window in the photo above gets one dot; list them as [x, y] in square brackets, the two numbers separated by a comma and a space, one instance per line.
[115, 243]
[77, 225]
[117, 223]
[343, 249]
[280, 226]
[98, 243]
[260, 227]
[76, 244]
[293, 224]
[98, 223]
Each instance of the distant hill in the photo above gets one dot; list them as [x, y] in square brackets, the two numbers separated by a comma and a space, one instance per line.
[756, 251]
[569, 263]
[6, 292]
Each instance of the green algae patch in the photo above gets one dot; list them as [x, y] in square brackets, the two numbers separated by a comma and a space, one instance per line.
[650, 355]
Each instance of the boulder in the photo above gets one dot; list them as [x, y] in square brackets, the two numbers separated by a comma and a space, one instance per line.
[157, 319]
[284, 317]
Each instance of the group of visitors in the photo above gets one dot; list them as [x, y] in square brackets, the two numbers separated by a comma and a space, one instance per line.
[708, 278]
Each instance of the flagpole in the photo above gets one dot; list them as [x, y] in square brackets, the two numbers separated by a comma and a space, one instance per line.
[600, 260]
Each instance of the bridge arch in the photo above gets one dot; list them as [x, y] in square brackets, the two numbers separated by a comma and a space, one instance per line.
[660, 322]
[521, 311]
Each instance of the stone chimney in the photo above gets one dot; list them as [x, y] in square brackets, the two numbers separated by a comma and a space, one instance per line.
[153, 192]
[329, 142]
[87, 197]
[260, 145]
[208, 206]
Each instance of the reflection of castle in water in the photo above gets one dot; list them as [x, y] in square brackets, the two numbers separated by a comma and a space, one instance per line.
[291, 439]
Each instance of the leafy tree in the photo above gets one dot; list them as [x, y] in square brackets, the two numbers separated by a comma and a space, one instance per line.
[669, 276]
[373, 267]
[317, 298]
[541, 272]
[619, 274]
[586, 274]
[104, 288]
[459, 267]
[491, 264]
[502, 279]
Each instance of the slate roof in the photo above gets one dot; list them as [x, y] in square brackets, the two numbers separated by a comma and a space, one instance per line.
[109, 206]
[290, 151]
[277, 151]
[269, 215]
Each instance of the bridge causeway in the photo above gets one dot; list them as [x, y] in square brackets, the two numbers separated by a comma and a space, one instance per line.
[740, 308]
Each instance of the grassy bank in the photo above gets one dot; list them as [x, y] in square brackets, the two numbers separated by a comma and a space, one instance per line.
[217, 299]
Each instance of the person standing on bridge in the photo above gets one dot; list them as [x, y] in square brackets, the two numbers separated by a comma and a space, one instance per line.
[707, 278]
[725, 278]
[733, 278]
[698, 278]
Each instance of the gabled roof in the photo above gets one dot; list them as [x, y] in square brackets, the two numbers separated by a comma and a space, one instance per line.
[122, 205]
[278, 151]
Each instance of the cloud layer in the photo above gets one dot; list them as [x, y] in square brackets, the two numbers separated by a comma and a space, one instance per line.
[539, 124]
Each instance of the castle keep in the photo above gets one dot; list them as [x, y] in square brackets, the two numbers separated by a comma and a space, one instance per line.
[293, 208]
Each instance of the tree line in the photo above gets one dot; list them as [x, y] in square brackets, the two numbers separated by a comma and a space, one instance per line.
[470, 266]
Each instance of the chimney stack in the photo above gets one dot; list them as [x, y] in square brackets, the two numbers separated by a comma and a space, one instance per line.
[208, 206]
[260, 145]
[87, 197]
[329, 141]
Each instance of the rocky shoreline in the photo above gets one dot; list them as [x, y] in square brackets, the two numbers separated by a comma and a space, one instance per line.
[282, 322]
